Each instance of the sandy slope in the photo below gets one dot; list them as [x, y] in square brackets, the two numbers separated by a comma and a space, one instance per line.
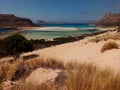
[82, 51]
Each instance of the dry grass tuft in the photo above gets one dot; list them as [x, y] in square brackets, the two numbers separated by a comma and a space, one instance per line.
[30, 86]
[11, 72]
[88, 77]
[82, 77]
[53, 63]
[48, 63]
[109, 45]
[3, 71]
[76, 76]
[71, 65]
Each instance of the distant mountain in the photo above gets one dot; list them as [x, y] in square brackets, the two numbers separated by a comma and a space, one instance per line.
[40, 22]
[57, 22]
[45, 22]
[110, 20]
[10, 20]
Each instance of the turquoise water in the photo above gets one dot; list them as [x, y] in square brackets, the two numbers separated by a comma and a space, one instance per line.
[55, 32]
[72, 25]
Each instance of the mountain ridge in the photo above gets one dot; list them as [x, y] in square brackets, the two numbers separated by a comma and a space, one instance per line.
[10, 20]
[109, 19]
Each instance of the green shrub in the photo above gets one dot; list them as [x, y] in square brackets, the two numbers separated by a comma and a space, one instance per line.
[15, 45]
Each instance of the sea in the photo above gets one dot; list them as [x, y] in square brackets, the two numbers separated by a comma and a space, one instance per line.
[57, 30]
[5, 30]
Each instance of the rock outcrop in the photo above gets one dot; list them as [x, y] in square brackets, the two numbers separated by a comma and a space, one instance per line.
[110, 20]
[10, 20]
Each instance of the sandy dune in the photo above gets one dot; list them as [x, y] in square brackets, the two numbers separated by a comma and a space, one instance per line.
[82, 51]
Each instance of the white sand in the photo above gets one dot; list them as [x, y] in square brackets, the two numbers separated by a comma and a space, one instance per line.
[63, 28]
[48, 28]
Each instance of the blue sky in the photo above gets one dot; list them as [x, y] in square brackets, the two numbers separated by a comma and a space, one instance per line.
[60, 10]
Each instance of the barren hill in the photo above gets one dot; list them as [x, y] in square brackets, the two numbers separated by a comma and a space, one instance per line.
[110, 20]
[10, 20]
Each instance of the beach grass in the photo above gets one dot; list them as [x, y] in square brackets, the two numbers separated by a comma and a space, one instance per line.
[30, 86]
[82, 77]
[109, 45]
[45, 63]
[76, 76]
[89, 77]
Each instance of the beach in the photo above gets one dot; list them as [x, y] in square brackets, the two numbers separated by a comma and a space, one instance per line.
[83, 51]
[53, 31]
[60, 45]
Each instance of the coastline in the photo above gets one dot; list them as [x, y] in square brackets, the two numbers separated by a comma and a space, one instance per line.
[107, 28]
[48, 28]
[64, 28]
[20, 29]
[85, 51]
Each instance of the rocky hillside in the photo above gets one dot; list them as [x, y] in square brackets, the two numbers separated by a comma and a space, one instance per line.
[110, 20]
[10, 20]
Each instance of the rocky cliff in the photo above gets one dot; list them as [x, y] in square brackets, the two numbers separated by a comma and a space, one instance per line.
[110, 20]
[10, 20]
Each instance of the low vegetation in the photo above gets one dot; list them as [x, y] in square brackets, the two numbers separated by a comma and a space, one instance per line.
[42, 43]
[19, 69]
[48, 63]
[109, 45]
[15, 45]
[75, 76]
[29, 86]
[89, 77]
[106, 37]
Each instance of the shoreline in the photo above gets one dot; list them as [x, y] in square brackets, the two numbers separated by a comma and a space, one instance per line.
[48, 28]
[107, 28]
[20, 29]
